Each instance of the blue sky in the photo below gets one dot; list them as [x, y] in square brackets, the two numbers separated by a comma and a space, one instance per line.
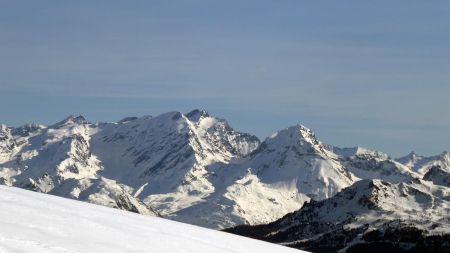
[368, 73]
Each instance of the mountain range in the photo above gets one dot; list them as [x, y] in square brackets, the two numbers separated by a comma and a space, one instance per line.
[197, 169]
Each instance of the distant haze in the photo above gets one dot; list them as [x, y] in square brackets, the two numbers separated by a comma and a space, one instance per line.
[374, 74]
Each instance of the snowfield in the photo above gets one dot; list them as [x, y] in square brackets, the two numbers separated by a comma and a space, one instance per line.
[36, 222]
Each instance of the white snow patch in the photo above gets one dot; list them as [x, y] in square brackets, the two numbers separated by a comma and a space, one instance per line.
[35, 222]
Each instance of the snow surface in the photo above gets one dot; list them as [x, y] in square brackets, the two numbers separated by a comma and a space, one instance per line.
[35, 222]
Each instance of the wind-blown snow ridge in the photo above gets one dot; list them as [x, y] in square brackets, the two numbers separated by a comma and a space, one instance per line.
[33, 222]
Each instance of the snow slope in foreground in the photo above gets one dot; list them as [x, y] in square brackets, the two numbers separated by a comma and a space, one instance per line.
[36, 222]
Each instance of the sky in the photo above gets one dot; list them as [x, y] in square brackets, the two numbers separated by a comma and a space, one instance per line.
[369, 73]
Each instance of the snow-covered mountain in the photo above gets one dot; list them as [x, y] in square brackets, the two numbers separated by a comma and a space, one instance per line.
[191, 167]
[371, 164]
[137, 164]
[421, 164]
[164, 159]
[58, 160]
[369, 216]
[287, 169]
[35, 222]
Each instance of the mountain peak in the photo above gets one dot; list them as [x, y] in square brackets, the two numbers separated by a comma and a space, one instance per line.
[304, 130]
[72, 120]
[363, 195]
[3, 128]
[413, 156]
[296, 132]
[174, 115]
[372, 184]
[297, 138]
[4, 132]
[445, 159]
[196, 114]
[410, 159]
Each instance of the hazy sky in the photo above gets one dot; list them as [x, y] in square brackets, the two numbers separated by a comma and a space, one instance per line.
[368, 73]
